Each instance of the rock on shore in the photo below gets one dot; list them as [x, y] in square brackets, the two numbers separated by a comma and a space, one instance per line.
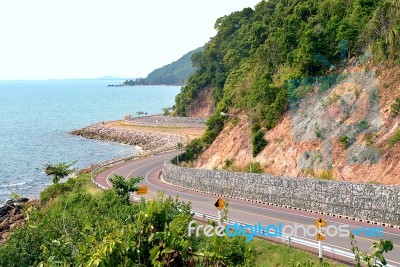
[146, 140]
[11, 215]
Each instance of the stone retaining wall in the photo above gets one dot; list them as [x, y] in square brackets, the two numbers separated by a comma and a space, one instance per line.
[371, 202]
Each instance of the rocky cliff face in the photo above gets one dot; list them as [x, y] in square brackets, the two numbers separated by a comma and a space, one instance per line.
[145, 140]
[298, 145]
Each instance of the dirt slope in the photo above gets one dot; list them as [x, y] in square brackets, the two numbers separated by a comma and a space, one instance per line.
[202, 106]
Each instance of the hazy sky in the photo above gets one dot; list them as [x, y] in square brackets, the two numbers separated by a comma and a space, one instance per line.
[56, 39]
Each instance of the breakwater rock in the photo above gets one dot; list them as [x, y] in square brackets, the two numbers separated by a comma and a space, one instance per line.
[144, 139]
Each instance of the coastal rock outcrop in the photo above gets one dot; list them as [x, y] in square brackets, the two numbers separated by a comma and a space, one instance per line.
[11, 215]
[143, 139]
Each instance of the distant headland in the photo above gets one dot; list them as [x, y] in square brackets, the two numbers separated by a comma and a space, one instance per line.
[175, 73]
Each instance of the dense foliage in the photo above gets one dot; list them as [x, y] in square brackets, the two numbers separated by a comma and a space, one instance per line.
[79, 225]
[257, 52]
[176, 73]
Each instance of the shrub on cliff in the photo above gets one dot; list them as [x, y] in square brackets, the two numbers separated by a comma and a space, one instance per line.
[193, 149]
[258, 141]
[55, 190]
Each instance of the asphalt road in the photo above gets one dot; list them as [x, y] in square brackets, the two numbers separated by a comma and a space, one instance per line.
[248, 212]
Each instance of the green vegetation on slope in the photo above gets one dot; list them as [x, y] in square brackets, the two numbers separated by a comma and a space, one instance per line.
[257, 52]
[176, 73]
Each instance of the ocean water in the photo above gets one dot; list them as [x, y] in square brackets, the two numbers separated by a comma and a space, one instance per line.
[36, 116]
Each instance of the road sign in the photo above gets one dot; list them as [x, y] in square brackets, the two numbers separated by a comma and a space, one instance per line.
[142, 190]
[320, 223]
[219, 204]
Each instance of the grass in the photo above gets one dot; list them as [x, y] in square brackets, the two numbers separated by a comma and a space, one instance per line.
[189, 132]
[269, 254]
[323, 175]
[369, 139]
[256, 167]
[346, 141]
[333, 99]
[326, 175]
[395, 139]
[396, 107]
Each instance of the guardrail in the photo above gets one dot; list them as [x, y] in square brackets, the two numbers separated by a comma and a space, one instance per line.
[108, 165]
[123, 160]
[293, 239]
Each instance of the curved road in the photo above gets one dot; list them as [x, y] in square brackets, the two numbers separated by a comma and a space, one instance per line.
[244, 211]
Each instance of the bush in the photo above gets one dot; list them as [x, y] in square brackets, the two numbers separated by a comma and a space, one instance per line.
[255, 167]
[123, 186]
[346, 141]
[369, 139]
[326, 175]
[319, 132]
[396, 107]
[193, 149]
[258, 142]
[273, 112]
[395, 139]
[55, 190]
[362, 125]
[228, 163]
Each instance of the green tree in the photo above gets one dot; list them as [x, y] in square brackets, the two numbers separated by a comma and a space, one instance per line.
[374, 253]
[167, 111]
[58, 171]
[124, 186]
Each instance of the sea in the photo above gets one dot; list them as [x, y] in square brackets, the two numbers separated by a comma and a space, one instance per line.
[37, 116]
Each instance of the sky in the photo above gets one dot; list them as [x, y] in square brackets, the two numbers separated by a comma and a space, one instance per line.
[67, 39]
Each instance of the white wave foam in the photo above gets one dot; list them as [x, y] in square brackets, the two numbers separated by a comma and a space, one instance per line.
[5, 185]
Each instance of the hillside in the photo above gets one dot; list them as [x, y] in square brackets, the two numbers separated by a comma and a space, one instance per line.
[175, 73]
[317, 83]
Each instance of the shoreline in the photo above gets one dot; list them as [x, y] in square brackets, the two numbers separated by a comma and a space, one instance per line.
[144, 140]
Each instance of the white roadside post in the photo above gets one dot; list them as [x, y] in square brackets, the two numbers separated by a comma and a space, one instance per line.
[320, 250]
[320, 224]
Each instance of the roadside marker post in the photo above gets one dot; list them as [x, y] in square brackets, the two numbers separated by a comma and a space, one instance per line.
[142, 190]
[320, 224]
[219, 205]
[320, 250]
